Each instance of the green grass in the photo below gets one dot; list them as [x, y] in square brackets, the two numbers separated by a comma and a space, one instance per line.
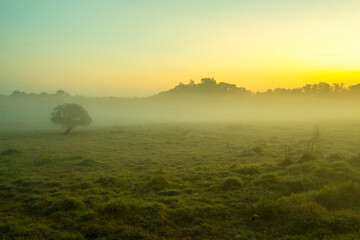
[181, 181]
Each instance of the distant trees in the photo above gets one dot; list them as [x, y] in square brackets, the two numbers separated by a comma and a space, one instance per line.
[61, 92]
[355, 89]
[318, 89]
[208, 82]
[58, 93]
[69, 116]
[207, 86]
[18, 93]
[211, 86]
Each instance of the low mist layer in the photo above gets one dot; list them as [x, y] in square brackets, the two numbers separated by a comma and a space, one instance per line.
[207, 101]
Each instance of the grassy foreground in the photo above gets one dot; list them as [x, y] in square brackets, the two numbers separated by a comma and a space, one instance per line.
[181, 181]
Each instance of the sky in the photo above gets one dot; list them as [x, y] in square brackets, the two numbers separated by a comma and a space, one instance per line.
[141, 47]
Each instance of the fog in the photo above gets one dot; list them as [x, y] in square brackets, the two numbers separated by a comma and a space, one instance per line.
[207, 101]
[173, 165]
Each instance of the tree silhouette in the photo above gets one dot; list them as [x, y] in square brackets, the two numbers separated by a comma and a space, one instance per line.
[208, 81]
[69, 116]
[61, 93]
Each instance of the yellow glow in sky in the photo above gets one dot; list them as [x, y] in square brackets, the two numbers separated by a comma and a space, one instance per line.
[138, 48]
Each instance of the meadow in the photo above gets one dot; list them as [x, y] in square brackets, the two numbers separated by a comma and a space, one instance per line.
[182, 181]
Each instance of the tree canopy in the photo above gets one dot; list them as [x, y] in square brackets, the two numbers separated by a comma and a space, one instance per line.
[69, 116]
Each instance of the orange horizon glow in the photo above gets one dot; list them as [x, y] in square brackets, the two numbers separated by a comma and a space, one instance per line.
[140, 48]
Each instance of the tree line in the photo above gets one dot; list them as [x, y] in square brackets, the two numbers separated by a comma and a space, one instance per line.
[211, 86]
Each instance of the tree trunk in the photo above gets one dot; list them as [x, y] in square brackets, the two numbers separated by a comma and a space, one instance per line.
[68, 130]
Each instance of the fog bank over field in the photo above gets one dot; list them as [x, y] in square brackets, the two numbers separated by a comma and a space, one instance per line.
[207, 101]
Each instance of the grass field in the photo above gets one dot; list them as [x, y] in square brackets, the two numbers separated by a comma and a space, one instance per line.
[181, 181]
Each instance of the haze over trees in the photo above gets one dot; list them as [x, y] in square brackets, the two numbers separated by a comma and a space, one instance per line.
[69, 116]
[203, 101]
[211, 86]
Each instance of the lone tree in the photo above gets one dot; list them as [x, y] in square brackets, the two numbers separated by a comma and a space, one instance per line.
[69, 116]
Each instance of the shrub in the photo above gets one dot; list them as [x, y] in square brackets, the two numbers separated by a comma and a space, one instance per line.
[257, 150]
[268, 210]
[132, 233]
[300, 169]
[344, 196]
[185, 216]
[108, 181]
[323, 172]
[291, 217]
[285, 162]
[335, 172]
[267, 180]
[10, 151]
[65, 204]
[152, 214]
[296, 185]
[36, 204]
[306, 217]
[213, 211]
[232, 183]
[355, 160]
[115, 209]
[306, 157]
[342, 222]
[159, 183]
[335, 157]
